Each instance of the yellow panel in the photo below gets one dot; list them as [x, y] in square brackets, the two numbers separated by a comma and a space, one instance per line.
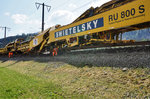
[2, 51]
[132, 13]
[36, 40]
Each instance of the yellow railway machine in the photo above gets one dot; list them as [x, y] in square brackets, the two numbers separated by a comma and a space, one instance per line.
[103, 24]
[2, 51]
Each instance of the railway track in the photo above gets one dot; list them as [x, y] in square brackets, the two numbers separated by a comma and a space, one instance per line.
[101, 48]
[127, 47]
[129, 55]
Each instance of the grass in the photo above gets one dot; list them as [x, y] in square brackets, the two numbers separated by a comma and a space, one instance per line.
[35, 79]
[16, 85]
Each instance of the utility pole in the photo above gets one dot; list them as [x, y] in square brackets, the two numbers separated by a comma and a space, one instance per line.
[5, 30]
[48, 9]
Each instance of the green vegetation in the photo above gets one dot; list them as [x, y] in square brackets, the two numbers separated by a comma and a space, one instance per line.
[34, 79]
[16, 85]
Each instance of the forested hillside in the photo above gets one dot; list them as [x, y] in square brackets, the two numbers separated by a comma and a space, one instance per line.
[138, 35]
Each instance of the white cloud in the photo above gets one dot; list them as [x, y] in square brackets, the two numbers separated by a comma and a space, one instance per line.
[1, 30]
[21, 31]
[19, 18]
[23, 19]
[25, 23]
[61, 17]
[72, 5]
[33, 22]
[97, 3]
[7, 14]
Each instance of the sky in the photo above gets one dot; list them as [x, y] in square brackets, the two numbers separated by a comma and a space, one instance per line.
[22, 16]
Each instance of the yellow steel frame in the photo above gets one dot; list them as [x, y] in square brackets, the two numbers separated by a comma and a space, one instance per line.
[121, 17]
[132, 13]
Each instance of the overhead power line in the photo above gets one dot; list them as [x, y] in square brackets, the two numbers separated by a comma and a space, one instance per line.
[82, 6]
[5, 30]
[78, 7]
[48, 9]
[62, 4]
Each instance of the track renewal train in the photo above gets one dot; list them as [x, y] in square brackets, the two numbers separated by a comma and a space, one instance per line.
[100, 25]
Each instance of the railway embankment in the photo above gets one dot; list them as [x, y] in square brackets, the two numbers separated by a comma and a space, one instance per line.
[95, 75]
